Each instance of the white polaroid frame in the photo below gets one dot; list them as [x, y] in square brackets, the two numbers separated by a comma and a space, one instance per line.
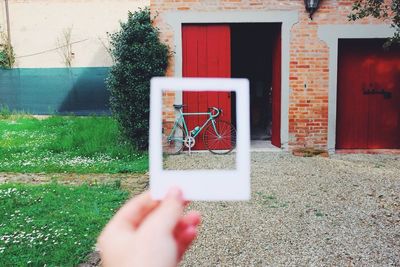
[201, 184]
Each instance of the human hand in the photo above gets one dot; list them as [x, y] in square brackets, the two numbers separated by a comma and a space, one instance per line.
[145, 232]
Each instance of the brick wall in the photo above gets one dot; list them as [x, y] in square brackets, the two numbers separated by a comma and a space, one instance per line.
[309, 69]
[168, 112]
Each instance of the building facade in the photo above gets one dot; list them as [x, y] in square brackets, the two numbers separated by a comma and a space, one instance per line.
[323, 82]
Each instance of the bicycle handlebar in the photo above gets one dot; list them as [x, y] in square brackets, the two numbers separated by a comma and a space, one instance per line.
[217, 112]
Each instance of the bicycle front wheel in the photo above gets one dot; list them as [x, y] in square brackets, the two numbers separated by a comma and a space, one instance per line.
[172, 138]
[221, 139]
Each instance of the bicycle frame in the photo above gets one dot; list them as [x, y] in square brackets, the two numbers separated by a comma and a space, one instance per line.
[181, 119]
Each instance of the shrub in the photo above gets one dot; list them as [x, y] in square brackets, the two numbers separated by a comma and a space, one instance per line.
[139, 55]
[7, 56]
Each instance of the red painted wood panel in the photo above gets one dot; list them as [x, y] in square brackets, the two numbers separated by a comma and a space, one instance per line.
[276, 90]
[206, 53]
[368, 120]
[352, 107]
[384, 114]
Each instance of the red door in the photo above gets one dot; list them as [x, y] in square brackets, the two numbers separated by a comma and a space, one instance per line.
[368, 97]
[206, 53]
[276, 91]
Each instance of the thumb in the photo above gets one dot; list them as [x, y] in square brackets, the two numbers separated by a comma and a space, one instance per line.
[169, 212]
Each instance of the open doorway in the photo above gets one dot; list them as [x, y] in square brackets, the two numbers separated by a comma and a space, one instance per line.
[254, 56]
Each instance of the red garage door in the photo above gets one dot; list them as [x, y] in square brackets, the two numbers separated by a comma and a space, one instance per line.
[368, 114]
[206, 53]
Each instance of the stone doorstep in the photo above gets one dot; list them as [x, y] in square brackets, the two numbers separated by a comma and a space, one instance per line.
[368, 151]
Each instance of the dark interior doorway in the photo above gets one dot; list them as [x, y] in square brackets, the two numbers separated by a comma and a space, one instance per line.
[252, 46]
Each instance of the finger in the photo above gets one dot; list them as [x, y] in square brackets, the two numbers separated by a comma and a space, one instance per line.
[192, 218]
[169, 212]
[185, 239]
[135, 210]
[186, 231]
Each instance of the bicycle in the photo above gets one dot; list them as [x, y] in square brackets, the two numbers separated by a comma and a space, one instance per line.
[219, 136]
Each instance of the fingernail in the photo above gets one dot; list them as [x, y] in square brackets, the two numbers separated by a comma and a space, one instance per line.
[175, 192]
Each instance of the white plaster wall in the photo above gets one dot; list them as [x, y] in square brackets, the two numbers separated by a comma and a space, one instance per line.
[37, 29]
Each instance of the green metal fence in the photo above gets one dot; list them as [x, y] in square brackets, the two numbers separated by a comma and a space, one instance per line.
[80, 91]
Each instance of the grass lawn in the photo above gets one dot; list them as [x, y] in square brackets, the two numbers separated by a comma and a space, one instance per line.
[66, 144]
[53, 225]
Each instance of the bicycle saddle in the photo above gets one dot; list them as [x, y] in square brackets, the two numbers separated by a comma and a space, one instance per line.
[178, 106]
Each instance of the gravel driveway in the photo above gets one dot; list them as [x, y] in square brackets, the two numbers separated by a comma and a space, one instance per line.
[338, 211]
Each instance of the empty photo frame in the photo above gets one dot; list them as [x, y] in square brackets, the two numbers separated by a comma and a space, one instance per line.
[203, 184]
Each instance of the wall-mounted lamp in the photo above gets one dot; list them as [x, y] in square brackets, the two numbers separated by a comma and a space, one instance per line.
[311, 6]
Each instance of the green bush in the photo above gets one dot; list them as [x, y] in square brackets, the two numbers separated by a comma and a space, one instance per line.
[139, 55]
[7, 56]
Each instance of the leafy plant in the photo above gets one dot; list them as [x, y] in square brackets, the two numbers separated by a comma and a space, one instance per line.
[318, 213]
[7, 56]
[4, 112]
[270, 200]
[139, 55]
[380, 9]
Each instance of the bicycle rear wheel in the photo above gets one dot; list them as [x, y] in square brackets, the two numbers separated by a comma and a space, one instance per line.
[172, 142]
[221, 141]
